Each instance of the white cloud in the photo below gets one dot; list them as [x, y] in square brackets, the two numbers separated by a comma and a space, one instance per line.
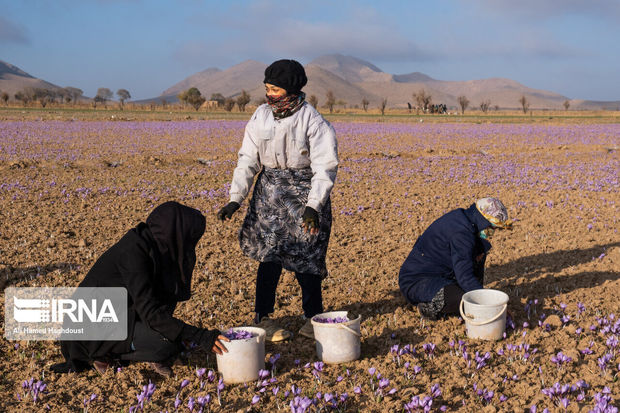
[266, 31]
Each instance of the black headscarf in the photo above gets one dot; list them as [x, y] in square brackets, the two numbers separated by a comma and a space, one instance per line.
[176, 230]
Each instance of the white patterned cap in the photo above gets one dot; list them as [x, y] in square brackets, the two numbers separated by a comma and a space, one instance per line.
[494, 211]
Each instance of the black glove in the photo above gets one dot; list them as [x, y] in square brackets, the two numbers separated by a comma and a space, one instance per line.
[227, 211]
[310, 218]
[201, 336]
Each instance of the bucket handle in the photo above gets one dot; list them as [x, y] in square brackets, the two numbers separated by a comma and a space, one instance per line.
[479, 323]
[350, 330]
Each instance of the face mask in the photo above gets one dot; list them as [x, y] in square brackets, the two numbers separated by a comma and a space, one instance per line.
[487, 233]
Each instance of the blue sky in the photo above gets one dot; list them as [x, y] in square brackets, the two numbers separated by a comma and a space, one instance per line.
[566, 46]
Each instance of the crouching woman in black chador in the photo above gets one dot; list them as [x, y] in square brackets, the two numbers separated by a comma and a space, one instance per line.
[154, 262]
[448, 259]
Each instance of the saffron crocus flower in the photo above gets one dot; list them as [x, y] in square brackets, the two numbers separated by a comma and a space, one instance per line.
[560, 359]
[200, 372]
[183, 384]
[429, 349]
[255, 399]
[580, 308]
[274, 359]
[210, 376]
[318, 365]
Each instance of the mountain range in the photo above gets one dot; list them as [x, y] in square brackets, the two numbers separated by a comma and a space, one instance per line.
[351, 80]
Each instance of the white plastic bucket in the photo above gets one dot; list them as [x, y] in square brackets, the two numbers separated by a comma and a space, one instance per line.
[338, 342]
[484, 312]
[244, 358]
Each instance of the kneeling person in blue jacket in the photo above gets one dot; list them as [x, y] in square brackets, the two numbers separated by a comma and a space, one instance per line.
[447, 260]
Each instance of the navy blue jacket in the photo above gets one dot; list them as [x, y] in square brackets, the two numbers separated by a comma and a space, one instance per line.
[445, 254]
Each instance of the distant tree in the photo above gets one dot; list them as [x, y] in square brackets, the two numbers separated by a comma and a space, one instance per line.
[5, 96]
[62, 95]
[330, 101]
[365, 104]
[22, 96]
[423, 99]
[463, 103]
[525, 105]
[382, 106]
[229, 104]
[53, 94]
[182, 97]
[566, 104]
[103, 95]
[164, 102]
[123, 95]
[409, 107]
[485, 105]
[219, 98]
[242, 100]
[313, 101]
[75, 93]
[193, 97]
[43, 96]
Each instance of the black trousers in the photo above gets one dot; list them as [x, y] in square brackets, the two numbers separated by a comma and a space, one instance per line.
[267, 279]
[149, 345]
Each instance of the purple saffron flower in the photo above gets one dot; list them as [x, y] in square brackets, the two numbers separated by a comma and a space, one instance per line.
[255, 399]
[318, 365]
[560, 359]
[210, 376]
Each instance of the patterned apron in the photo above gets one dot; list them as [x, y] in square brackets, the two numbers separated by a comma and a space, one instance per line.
[272, 231]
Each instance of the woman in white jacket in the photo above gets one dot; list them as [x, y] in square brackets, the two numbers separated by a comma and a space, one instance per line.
[288, 223]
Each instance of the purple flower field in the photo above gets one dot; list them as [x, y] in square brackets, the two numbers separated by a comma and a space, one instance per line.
[70, 189]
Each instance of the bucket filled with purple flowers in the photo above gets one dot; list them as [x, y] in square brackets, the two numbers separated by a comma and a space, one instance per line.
[337, 336]
[245, 357]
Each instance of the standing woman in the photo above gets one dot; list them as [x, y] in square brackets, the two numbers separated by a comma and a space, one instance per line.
[293, 150]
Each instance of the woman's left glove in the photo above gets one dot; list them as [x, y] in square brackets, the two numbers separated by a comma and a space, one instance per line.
[228, 210]
[310, 220]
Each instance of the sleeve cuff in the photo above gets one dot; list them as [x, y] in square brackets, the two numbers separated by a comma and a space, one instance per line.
[236, 198]
[314, 204]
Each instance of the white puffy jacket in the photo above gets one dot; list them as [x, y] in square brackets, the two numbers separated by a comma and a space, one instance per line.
[304, 139]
